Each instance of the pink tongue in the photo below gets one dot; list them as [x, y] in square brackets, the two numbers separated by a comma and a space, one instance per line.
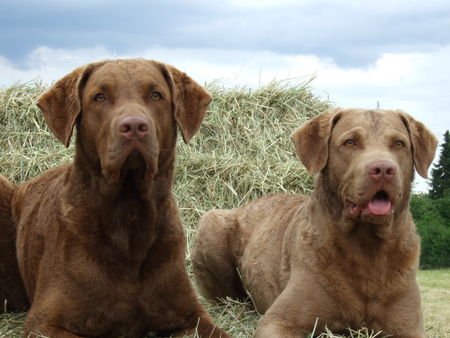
[379, 207]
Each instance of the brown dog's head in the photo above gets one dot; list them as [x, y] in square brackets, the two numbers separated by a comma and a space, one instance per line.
[366, 158]
[126, 112]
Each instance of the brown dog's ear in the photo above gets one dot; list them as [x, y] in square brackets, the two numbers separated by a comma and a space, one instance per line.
[61, 104]
[190, 99]
[423, 142]
[311, 141]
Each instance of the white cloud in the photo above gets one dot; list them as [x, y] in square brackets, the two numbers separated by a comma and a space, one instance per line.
[414, 82]
[262, 3]
[48, 64]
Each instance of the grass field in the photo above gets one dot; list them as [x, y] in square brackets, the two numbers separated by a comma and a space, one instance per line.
[435, 290]
[242, 152]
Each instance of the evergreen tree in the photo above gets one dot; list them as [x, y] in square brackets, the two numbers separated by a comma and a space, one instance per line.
[440, 175]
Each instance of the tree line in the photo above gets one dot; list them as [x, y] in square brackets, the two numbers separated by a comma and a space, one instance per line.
[431, 213]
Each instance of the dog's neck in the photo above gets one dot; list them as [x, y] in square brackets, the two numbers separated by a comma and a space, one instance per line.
[124, 216]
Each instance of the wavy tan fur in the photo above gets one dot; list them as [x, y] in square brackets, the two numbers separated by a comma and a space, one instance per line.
[345, 256]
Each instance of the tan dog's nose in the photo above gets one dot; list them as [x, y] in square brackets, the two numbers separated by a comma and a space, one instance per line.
[382, 170]
[132, 127]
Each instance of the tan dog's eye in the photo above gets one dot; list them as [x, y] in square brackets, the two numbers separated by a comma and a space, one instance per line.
[349, 143]
[399, 144]
[100, 97]
[156, 96]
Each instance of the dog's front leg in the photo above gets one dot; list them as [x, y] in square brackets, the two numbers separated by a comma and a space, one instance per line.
[182, 307]
[47, 330]
[296, 311]
[274, 327]
[403, 318]
[42, 321]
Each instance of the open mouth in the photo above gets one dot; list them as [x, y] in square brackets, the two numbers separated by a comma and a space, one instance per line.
[379, 205]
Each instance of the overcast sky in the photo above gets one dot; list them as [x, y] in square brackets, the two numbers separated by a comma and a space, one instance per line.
[396, 53]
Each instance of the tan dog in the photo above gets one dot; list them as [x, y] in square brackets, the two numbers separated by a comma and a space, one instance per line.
[348, 254]
[100, 245]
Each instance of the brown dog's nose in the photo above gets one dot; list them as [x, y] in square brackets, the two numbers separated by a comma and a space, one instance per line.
[382, 170]
[132, 127]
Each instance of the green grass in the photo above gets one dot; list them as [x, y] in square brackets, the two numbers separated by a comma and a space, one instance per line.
[243, 151]
[435, 291]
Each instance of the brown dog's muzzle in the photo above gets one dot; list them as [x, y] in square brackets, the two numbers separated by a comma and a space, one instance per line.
[133, 146]
[376, 192]
[382, 173]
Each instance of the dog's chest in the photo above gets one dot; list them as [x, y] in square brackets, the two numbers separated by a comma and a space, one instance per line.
[120, 238]
[362, 281]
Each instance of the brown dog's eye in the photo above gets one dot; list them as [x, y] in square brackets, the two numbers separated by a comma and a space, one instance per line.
[399, 144]
[156, 96]
[349, 143]
[100, 97]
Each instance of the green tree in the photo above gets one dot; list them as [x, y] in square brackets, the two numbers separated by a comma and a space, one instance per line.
[440, 175]
[433, 228]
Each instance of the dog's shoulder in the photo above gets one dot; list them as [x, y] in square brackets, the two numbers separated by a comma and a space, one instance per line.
[34, 191]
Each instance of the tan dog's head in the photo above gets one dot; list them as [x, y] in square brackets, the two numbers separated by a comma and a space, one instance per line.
[366, 158]
[126, 113]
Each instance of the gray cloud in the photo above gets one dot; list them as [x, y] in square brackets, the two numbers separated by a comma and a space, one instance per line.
[354, 33]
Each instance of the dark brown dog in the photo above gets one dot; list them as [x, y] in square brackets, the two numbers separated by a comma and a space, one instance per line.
[100, 246]
[348, 254]
[12, 292]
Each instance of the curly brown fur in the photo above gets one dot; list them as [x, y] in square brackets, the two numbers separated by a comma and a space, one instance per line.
[100, 245]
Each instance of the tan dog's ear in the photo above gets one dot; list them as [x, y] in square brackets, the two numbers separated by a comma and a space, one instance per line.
[61, 104]
[190, 99]
[423, 142]
[311, 141]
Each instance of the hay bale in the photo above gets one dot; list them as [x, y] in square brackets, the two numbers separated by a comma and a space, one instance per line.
[27, 148]
[243, 150]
